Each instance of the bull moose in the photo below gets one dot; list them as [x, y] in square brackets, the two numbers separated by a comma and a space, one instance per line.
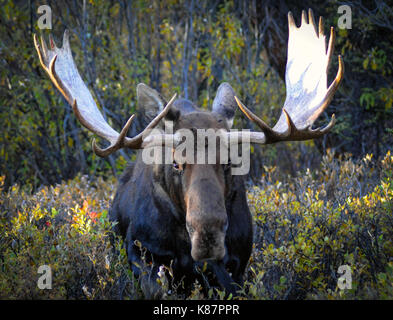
[187, 213]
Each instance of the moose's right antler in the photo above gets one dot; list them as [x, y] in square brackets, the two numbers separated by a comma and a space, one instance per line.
[306, 83]
[60, 66]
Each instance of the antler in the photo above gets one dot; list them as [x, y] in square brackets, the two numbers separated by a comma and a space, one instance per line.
[306, 82]
[61, 68]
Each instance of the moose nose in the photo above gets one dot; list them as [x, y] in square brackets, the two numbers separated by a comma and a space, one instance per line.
[208, 246]
[216, 254]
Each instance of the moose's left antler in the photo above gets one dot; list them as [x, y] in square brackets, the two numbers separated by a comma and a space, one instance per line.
[306, 83]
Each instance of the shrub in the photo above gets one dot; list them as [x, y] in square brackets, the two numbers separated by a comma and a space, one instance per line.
[65, 227]
[309, 226]
[305, 228]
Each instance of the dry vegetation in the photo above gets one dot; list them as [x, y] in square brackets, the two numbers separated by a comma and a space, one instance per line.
[305, 228]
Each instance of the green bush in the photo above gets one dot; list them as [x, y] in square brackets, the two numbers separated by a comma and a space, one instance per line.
[305, 228]
[65, 227]
[308, 227]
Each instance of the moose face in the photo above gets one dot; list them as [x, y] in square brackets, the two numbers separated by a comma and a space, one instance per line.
[203, 188]
[206, 216]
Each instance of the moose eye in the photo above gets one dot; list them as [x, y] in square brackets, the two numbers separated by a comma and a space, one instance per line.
[176, 166]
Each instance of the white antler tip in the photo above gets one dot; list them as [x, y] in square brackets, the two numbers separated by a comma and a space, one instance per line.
[304, 17]
[66, 40]
[291, 21]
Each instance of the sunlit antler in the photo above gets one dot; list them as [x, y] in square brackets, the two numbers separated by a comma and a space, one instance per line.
[61, 68]
[306, 83]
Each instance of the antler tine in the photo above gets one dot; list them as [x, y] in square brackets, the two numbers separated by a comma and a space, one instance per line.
[331, 90]
[250, 115]
[120, 142]
[329, 125]
[330, 47]
[66, 40]
[311, 20]
[291, 125]
[337, 80]
[304, 17]
[137, 141]
[270, 135]
[320, 27]
[40, 49]
[291, 21]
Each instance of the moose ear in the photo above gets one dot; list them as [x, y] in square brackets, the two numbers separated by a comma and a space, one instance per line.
[149, 100]
[151, 103]
[224, 103]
